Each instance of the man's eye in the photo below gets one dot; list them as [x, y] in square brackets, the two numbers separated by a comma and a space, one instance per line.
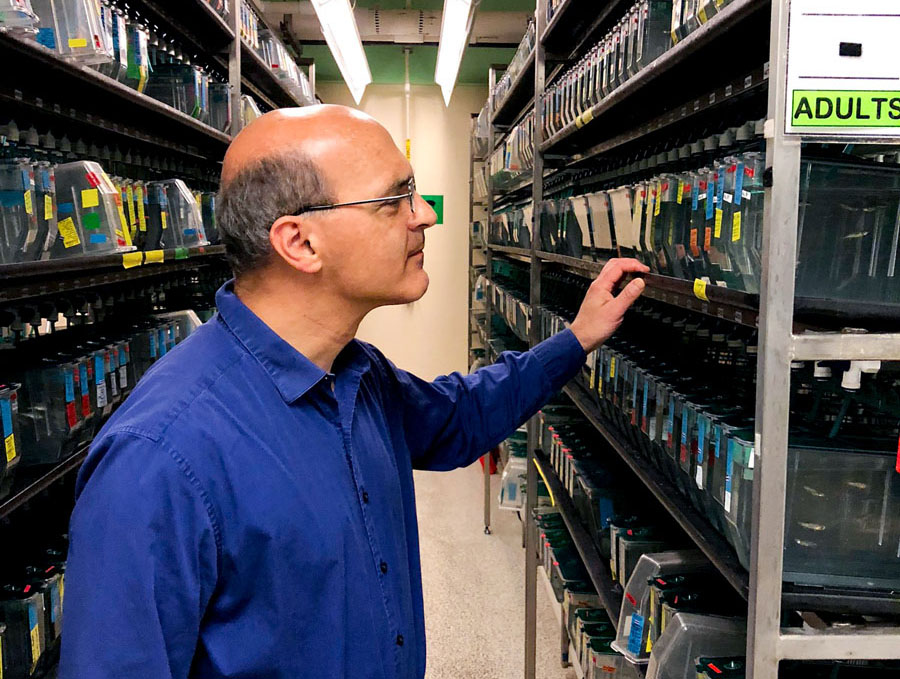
[392, 203]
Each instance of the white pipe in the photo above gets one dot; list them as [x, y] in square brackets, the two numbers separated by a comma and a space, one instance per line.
[407, 91]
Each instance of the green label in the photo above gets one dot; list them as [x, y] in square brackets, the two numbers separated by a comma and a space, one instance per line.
[845, 108]
[437, 204]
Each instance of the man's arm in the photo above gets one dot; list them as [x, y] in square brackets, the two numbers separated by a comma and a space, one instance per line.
[142, 564]
[452, 421]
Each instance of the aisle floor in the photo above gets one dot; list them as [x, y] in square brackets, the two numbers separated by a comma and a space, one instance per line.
[474, 584]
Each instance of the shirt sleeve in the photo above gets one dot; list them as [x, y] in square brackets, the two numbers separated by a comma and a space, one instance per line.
[452, 421]
[142, 564]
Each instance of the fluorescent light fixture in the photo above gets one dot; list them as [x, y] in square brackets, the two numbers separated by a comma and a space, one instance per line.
[455, 26]
[342, 35]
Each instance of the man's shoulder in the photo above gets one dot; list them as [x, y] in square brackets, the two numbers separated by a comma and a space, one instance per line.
[178, 387]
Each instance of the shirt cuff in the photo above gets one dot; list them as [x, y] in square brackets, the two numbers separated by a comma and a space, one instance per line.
[562, 357]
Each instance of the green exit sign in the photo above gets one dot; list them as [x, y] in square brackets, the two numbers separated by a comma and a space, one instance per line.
[437, 204]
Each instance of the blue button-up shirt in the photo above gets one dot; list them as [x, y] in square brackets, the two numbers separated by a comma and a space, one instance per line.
[246, 514]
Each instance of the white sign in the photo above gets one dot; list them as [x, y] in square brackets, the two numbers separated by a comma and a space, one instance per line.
[843, 76]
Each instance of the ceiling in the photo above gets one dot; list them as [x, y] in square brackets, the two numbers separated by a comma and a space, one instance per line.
[387, 64]
[493, 38]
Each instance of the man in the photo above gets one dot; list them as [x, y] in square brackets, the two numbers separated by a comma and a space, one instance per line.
[249, 511]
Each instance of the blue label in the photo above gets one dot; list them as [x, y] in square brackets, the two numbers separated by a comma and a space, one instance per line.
[637, 634]
[739, 184]
[70, 386]
[47, 38]
[45, 180]
[32, 616]
[6, 412]
[54, 603]
[152, 345]
[98, 369]
[82, 371]
[98, 238]
[162, 342]
[190, 232]
[718, 441]
[710, 201]
[123, 356]
[646, 392]
[65, 208]
[729, 465]
[720, 189]
[701, 439]
[26, 179]
[695, 195]
[684, 425]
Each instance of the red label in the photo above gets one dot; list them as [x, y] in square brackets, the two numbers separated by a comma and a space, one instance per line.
[85, 405]
[748, 171]
[703, 186]
[631, 599]
[732, 169]
[71, 417]
[665, 187]
[92, 179]
[714, 668]
[898, 456]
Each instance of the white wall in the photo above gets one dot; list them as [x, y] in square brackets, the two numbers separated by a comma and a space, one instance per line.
[428, 337]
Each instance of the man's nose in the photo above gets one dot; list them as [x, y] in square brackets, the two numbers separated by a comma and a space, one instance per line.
[424, 216]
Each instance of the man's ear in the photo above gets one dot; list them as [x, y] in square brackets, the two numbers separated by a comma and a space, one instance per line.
[295, 239]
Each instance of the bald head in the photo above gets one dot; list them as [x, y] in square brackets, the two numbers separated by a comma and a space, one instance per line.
[324, 134]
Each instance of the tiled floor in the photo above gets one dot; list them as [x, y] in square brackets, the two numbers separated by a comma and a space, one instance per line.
[475, 585]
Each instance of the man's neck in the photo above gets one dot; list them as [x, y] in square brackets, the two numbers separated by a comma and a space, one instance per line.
[315, 324]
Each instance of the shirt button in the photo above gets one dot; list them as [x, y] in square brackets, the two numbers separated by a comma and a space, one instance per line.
[384, 567]
[365, 497]
[399, 639]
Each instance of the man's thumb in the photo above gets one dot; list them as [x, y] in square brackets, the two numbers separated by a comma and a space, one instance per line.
[629, 294]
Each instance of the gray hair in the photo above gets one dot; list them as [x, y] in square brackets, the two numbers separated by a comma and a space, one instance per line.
[255, 197]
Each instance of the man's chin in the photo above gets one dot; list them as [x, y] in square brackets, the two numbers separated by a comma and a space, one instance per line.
[414, 290]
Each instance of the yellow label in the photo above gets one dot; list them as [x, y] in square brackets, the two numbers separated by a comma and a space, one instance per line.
[680, 191]
[77, 42]
[35, 646]
[62, 592]
[48, 207]
[612, 367]
[126, 232]
[129, 198]
[10, 448]
[154, 257]
[593, 377]
[142, 218]
[700, 289]
[90, 198]
[658, 200]
[69, 233]
[142, 83]
[718, 232]
[600, 385]
[29, 206]
[163, 217]
[736, 227]
[579, 123]
[132, 259]
[1, 658]
[702, 16]
[587, 116]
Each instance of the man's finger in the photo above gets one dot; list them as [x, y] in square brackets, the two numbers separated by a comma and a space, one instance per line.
[627, 297]
[614, 269]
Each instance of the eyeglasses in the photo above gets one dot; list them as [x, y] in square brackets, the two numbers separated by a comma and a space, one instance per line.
[410, 195]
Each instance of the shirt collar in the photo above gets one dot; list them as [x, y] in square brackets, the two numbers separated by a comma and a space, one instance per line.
[292, 372]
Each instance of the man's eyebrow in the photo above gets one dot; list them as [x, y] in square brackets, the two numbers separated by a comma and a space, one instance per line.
[398, 187]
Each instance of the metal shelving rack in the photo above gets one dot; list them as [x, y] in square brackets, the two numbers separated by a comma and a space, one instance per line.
[474, 328]
[758, 77]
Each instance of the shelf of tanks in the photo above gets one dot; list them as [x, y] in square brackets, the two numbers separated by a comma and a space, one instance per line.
[65, 365]
[658, 55]
[672, 394]
[636, 598]
[692, 210]
[514, 90]
[66, 223]
[142, 67]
